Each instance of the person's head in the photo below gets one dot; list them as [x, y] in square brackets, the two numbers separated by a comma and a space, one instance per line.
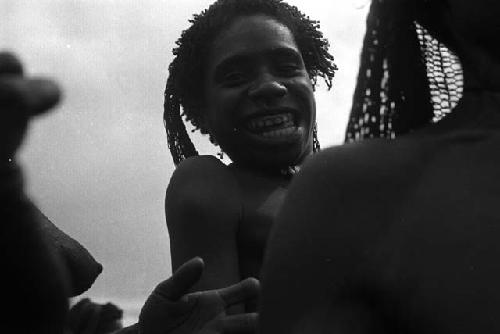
[456, 22]
[408, 77]
[471, 29]
[244, 74]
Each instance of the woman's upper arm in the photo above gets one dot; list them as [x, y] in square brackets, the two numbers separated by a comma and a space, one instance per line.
[202, 207]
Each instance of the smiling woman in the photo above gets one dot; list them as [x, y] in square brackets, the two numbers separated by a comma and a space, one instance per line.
[244, 73]
[260, 105]
[97, 168]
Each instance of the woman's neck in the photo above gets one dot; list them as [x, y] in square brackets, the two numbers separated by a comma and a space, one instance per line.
[481, 91]
[284, 173]
[481, 69]
[477, 110]
[481, 85]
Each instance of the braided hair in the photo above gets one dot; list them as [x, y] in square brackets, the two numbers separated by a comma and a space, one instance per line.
[407, 78]
[184, 89]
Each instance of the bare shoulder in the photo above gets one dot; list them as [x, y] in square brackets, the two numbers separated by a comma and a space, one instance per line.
[349, 190]
[202, 186]
[203, 170]
[203, 209]
[370, 161]
[358, 169]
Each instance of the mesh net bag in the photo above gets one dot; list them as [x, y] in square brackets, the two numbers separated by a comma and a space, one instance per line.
[407, 78]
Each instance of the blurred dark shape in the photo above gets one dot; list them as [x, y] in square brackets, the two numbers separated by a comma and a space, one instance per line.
[82, 268]
[33, 277]
[87, 317]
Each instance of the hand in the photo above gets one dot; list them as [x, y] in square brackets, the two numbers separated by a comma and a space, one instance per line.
[169, 310]
[88, 317]
[20, 99]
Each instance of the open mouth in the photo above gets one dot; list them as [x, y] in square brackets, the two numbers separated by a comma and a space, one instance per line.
[272, 126]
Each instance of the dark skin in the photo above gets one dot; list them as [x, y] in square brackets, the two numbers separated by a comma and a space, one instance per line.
[256, 77]
[36, 280]
[169, 309]
[33, 272]
[227, 189]
[400, 236]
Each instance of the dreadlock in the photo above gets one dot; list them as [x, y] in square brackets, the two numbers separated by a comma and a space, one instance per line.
[184, 88]
[407, 78]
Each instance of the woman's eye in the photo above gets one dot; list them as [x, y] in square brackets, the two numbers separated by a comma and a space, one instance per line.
[288, 69]
[234, 78]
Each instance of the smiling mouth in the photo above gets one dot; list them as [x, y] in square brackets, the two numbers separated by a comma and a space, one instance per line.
[272, 126]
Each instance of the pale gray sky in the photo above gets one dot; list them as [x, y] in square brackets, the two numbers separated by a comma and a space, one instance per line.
[99, 165]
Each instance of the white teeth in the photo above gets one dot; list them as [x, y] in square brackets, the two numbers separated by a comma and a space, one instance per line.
[261, 124]
[278, 133]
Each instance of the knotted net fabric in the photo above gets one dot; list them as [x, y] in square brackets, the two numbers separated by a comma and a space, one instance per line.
[407, 78]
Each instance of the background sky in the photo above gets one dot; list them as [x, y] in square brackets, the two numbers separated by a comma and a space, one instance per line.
[98, 166]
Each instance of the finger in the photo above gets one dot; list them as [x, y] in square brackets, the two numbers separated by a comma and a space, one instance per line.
[240, 292]
[181, 281]
[10, 64]
[29, 96]
[245, 323]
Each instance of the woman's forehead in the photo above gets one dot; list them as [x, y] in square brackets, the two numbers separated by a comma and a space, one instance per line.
[248, 35]
[254, 27]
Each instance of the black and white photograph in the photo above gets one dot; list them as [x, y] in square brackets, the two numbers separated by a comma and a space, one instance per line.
[250, 166]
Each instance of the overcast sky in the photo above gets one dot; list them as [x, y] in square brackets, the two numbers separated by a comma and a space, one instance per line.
[99, 165]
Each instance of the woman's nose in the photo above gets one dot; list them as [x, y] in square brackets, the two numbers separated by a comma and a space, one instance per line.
[267, 88]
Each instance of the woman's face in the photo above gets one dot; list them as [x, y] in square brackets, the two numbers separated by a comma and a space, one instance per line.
[259, 100]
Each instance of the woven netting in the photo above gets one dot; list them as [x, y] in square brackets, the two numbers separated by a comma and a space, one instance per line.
[407, 78]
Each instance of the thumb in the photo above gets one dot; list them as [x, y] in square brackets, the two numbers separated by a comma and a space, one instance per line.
[164, 309]
[181, 281]
[27, 96]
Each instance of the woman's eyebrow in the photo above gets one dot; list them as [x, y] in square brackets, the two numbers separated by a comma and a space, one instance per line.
[287, 53]
[231, 62]
[244, 59]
